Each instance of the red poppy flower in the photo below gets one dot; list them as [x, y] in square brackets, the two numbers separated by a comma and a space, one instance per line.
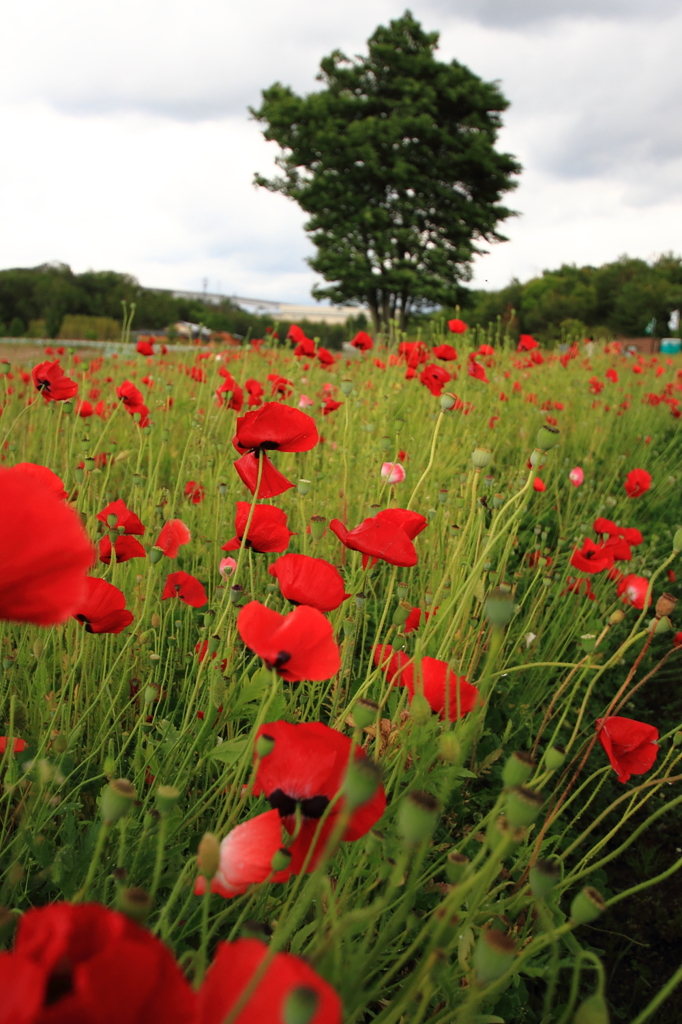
[236, 963]
[298, 335]
[144, 347]
[445, 352]
[280, 385]
[325, 357]
[485, 350]
[305, 348]
[44, 552]
[273, 427]
[298, 646]
[132, 397]
[388, 536]
[186, 587]
[445, 692]
[414, 353]
[17, 746]
[85, 963]
[246, 855]
[362, 341]
[526, 343]
[677, 640]
[52, 382]
[434, 378]
[592, 557]
[125, 547]
[475, 369]
[255, 390]
[457, 326]
[632, 589]
[307, 766]
[330, 405]
[236, 400]
[268, 530]
[631, 746]
[173, 535]
[84, 409]
[637, 482]
[311, 581]
[103, 608]
[539, 485]
[195, 492]
[124, 517]
[43, 476]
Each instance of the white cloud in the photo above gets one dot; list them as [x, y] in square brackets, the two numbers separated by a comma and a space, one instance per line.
[130, 147]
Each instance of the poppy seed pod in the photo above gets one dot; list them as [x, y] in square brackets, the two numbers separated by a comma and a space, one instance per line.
[401, 613]
[417, 816]
[347, 386]
[547, 437]
[481, 457]
[587, 906]
[303, 487]
[543, 877]
[615, 618]
[677, 540]
[499, 607]
[554, 758]
[281, 859]
[498, 500]
[166, 799]
[117, 799]
[300, 1006]
[447, 400]
[318, 525]
[208, 855]
[659, 626]
[362, 780]
[593, 1010]
[264, 745]
[456, 866]
[494, 954]
[522, 806]
[135, 903]
[665, 605]
[365, 713]
[518, 768]
[537, 458]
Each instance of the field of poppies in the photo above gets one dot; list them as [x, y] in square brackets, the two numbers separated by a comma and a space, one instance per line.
[337, 687]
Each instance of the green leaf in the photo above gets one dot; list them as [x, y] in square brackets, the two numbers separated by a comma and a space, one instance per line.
[229, 751]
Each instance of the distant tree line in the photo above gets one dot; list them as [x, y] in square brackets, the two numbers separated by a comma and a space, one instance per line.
[616, 299]
[34, 301]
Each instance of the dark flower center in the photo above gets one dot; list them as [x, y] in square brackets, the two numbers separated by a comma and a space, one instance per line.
[59, 983]
[42, 384]
[282, 658]
[313, 807]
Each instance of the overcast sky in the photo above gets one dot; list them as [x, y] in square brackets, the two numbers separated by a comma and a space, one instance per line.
[127, 143]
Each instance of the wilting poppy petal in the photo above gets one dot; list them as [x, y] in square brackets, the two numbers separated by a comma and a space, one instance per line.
[44, 552]
[173, 535]
[298, 646]
[311, 581]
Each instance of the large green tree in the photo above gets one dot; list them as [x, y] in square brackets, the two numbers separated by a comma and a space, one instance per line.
[394, 160]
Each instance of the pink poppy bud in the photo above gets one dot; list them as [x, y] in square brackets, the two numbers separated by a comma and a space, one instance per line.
[227, 567]
[576, 476]
[393, 472]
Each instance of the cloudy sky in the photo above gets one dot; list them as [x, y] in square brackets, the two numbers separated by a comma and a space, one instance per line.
[127, 144]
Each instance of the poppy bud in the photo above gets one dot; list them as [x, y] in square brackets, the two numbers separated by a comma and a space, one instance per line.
[89, 463]
[587, 906]
[663, 625]
[547, 437]
[665, 605]
[494, 954]
[518, 768]
[318, 525]
[135, 903]
[522, 806]
[615, 618]
[281, 859]
[417, 816]
[537, 458]
[401, 613]
[449, 747]
[347, 386]
[588, 642]
[155, 555]
[499, 607]
[150, 694]
[117, 799]
[456, 866]
[166, 799]
[264, 745]
[213, 644]
[361, 782]
[592, 1010]
[365, 713]
[554, 758]
[420, 709]
[481, 457]
[677, 540]
[300, 1005]
[447, 400]
[208, 855]
[304, 487]
[543, 877]
[677, 739]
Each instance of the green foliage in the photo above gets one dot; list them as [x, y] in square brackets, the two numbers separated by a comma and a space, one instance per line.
[394, 161]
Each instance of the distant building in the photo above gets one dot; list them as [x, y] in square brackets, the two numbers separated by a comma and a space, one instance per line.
[285, 311]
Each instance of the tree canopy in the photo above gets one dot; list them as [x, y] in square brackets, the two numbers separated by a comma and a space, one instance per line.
[394, 160]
